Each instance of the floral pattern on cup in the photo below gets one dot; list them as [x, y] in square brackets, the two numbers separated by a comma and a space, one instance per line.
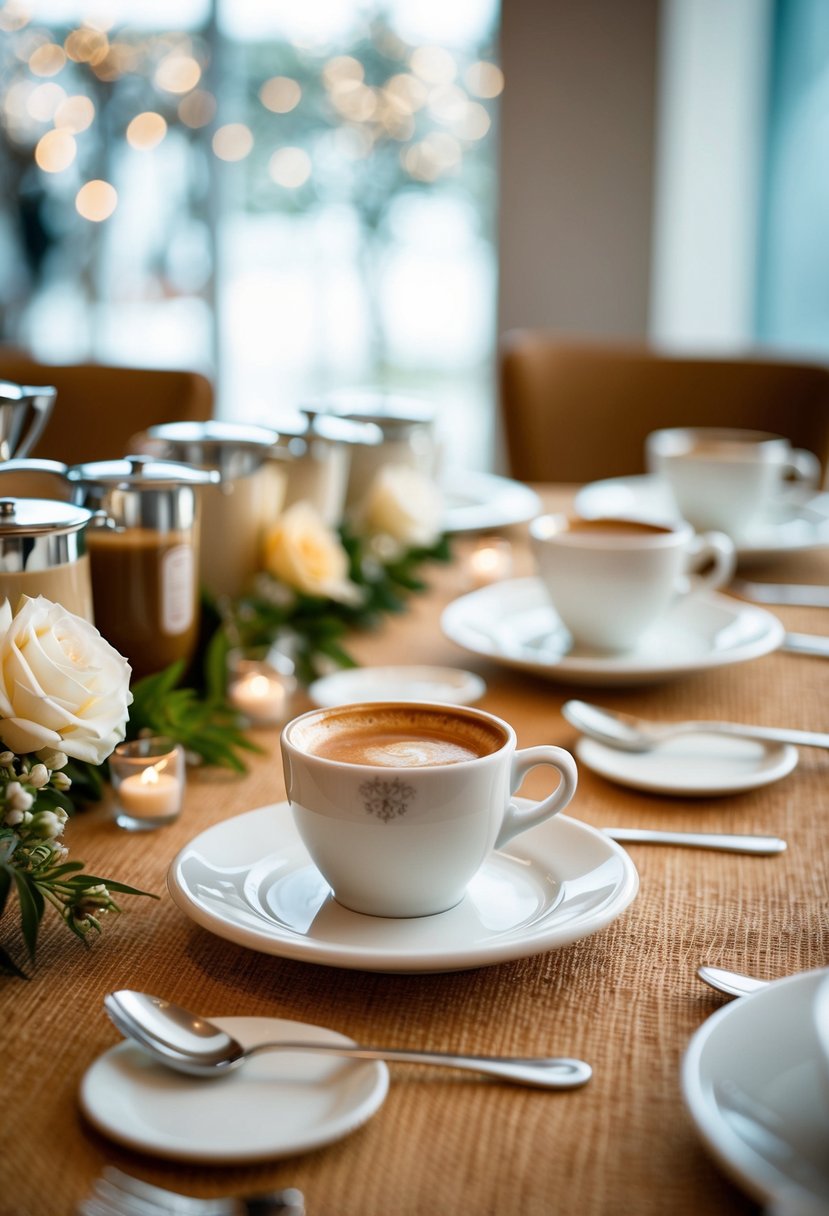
[387, 800]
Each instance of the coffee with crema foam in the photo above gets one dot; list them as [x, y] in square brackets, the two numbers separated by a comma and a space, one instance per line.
[400, 736]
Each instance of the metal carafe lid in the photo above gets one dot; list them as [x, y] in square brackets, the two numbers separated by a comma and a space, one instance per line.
[395, 415]
[236, 449]
[40, 516]
[140, 472]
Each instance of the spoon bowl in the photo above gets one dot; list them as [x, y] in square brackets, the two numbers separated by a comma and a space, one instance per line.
[191, 1044]
[628, 733]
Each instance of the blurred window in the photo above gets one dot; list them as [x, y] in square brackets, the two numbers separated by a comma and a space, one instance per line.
[294, 199]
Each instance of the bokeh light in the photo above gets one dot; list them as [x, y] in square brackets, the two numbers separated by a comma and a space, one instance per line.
[177, 73]
[197, 109]
[96, 201]
[484, 79]
[290, 167]
[87, 45]
[233, 141]
[146, 131]
[280, 94]
[55, 151]
[75, 113]
[43, 101]
[434, 64]
[47, 59]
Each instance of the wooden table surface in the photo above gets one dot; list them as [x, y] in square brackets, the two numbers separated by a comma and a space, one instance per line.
[626, 999]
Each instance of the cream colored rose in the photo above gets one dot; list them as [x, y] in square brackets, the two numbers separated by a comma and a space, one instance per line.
[301, 551]
[62, 685]
[405, 505]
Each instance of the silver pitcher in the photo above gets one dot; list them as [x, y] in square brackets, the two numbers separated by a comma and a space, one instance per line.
[24, 412]
[43, 551]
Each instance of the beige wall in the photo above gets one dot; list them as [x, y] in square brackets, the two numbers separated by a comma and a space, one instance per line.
[577, 155]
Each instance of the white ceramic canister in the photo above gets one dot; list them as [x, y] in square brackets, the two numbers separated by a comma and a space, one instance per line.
[236, 511]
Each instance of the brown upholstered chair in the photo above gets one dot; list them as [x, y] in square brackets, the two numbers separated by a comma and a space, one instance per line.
[99, 407]
[576, 412]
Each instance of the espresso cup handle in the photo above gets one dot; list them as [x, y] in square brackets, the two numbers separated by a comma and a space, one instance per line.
[804, 469]
[713, 549]
[518, 820]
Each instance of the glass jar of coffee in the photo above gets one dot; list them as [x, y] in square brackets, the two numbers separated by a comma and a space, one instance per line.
[144, 563]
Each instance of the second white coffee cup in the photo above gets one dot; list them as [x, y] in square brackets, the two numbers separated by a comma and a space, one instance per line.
[400, 803]
[611, 580]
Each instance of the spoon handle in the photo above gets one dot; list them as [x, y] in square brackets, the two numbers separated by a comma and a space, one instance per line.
[761, 845]
[775, 734]
[542, 1072]
[734, 983]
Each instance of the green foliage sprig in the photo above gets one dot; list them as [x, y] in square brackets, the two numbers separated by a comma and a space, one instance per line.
[34, 863]
[318, 626]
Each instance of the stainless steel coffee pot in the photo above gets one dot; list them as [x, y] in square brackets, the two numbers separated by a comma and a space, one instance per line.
[24, 412]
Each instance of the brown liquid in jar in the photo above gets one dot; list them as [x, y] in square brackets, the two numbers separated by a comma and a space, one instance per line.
[144, 591]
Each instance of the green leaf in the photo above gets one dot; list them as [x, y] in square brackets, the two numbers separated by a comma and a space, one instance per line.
[31, 910]
[83, 881]
[5, 886]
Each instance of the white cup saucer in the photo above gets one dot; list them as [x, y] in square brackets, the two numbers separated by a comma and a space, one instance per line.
[400, 683]
[278, 1104]
[692, 766]
[250, 880]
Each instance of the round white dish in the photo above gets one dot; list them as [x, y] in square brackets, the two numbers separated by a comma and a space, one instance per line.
[802, 523]
[692, 766]
[475, 501]
[277, 1105]
[513, 623]
[251, 881]
[751, 1083]
[446, 684]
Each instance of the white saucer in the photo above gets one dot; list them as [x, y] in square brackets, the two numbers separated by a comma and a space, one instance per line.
[250, 880]
[692, 765]
[751, 1081]
[513, 623]
[802, 523]
[448, 684]
[277, 1105]
[476, 501]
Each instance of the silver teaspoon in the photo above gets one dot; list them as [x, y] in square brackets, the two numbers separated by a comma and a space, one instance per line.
[190, 1044]
[628, 733]
[731, 982]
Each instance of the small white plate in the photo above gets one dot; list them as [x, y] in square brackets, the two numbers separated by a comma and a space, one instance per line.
[250, 880]
[513, 622]
[276, 1105]
[474, 501]
[692, 765]
[802, 523]
[751, 1080]
[446, 684]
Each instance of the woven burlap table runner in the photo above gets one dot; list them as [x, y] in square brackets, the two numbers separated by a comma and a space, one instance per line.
[626, 999]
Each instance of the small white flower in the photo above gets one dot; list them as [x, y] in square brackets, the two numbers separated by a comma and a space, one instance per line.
[6, 759]
[18, 798]
[13, 818]
[52, 759]
[61, 782]
[48, 824]
[39, 776]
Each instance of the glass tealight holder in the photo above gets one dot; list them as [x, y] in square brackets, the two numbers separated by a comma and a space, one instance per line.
[261, 684]
[148, 781]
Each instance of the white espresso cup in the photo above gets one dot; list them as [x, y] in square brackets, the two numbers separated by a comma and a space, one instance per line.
[729, 479]
[400, 803]
[610, 580]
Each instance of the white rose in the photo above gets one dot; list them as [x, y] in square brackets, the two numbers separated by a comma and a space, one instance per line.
[404, 504]
[303, 552]
[62, 686]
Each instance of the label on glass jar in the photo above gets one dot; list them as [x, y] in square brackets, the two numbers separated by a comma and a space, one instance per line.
[177, 589]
